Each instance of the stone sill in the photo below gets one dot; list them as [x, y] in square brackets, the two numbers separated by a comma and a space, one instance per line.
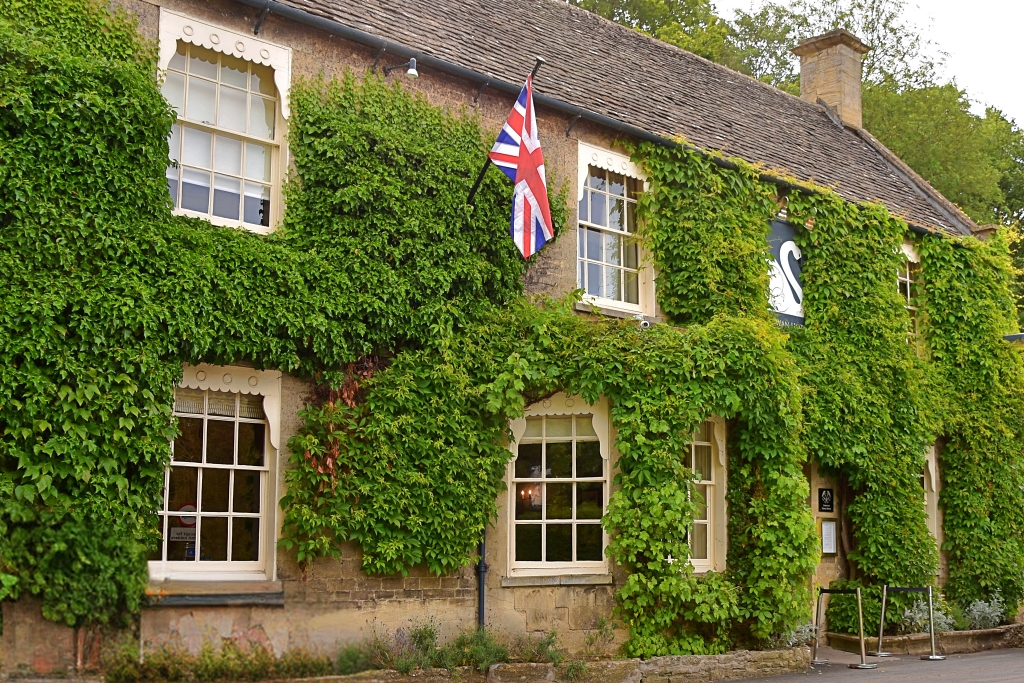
[568, 580]
[179, 593]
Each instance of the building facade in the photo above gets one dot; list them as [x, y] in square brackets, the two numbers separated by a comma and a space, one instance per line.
[228, 67]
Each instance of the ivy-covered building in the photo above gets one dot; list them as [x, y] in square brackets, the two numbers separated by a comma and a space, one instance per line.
[284, 405]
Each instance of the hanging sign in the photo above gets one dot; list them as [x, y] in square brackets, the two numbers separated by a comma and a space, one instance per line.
[785, 291]
[826, 500]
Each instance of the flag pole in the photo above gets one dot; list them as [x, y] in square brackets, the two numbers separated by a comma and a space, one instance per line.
[479, 179]
[483, 171]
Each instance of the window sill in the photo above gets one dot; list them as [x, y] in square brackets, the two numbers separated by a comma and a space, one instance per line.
[599, 309]
[182, 593]
[568, 580]
[225, 222]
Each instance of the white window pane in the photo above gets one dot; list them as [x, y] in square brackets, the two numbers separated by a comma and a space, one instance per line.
[611, 284]
[617, 184]
[597, 178]
[174, 90]
[257, 162]
[231, 112]
[202, 62]
[595, 280]
[257, 204]
[594, 245]
[262, 80]
[629, 255]
[616, 220]
[227, 156]
[699, 542]
[585, 425]
[533, 427]
[250, 406]
[226, 196]
[174, 143]
[582, 283]
[195, 190]
[598, 208]
[201, 105]
[233, 71]
[261, 117]
[703, 432]
[178, 60]
[700, 499]
[702, 462]
[631, 292]
[172, 184]
[189, 401]
[197, 148]
[611, 249]
[558, 426]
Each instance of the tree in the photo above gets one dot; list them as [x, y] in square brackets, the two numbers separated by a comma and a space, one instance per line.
[689, 24]
[760, 42]
[966, 157]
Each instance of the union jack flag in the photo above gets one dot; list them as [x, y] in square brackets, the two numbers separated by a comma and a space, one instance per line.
[517, 153]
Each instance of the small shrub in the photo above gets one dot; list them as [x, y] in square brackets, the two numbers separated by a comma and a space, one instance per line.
[985, 614]
[575, 670]
[478, 649]
[600, 639]
[915, 619]
[352, 659]
[542, 650]
[801, 635]
[229, 662]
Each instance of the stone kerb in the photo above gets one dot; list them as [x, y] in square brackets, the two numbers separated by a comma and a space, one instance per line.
[946, 642]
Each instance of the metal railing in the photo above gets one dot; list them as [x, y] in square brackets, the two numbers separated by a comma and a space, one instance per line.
[860, 617]
[886, 589]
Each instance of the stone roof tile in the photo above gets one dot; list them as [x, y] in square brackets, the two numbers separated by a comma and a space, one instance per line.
[617, 72]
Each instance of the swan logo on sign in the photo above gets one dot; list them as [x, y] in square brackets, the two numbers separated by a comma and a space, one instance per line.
[785, 291]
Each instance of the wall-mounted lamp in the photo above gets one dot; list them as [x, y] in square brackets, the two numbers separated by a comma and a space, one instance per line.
[411, 72]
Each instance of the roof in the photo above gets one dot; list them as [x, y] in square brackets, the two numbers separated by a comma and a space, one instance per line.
[614, 71]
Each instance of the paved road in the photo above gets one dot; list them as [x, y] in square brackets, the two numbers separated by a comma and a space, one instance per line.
[994, 666]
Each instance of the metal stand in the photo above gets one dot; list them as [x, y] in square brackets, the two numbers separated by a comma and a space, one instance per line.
[879, 652]
[931, 628]
[817, 630]
[860, 618]
[860, 615]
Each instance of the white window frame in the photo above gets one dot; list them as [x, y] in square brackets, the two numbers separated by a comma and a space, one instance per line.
[238, 380]
[174, 27]
[932, 486]
[908, 274]
[717, 509]
[590, 155]
[559, 405]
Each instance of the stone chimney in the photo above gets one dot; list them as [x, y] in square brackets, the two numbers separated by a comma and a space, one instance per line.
[830, 73]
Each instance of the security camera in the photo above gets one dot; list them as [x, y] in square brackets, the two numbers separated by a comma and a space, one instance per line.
[644, 324]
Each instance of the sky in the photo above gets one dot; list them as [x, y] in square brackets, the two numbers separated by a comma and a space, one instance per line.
[982, 39]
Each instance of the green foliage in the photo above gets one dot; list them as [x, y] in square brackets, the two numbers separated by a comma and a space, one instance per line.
[973, 160]
[538, 650]
[868, 406]
[105, 293]
[478, 649]
[689, 24]
[229, 662]
[968, 307]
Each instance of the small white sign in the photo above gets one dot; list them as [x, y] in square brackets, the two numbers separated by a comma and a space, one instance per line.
[828, 537]
[187, 534]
